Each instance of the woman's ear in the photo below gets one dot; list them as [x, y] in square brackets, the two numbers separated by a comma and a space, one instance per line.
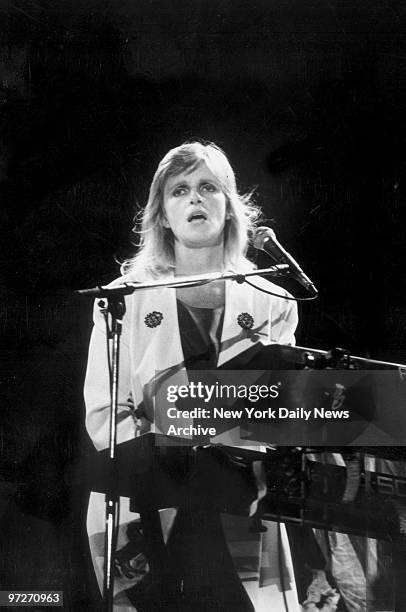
[165, 222]
[228, 211]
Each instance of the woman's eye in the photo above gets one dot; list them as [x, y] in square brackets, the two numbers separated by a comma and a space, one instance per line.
[209, 187]
[179, 191]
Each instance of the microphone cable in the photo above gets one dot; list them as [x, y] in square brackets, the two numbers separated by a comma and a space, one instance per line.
[284, 297]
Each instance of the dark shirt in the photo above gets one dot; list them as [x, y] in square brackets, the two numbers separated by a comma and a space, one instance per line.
[200, 333]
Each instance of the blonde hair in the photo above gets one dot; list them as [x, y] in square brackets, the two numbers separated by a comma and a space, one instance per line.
[155, 256]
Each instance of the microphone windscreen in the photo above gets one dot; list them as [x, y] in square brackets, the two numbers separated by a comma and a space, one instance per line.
[260, 235]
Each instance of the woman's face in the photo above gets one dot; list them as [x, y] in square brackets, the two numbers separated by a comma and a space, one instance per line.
[195, 208]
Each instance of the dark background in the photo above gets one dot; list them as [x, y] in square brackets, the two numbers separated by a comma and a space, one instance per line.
[308, 100]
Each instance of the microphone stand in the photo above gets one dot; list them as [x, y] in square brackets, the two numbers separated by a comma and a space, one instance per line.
[117, 308]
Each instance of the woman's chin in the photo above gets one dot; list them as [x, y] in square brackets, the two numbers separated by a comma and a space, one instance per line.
[201, 241]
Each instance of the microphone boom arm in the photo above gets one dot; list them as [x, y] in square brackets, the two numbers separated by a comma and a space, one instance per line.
[183, 281]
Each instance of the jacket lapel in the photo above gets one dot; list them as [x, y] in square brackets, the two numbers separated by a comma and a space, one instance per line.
[236, 339]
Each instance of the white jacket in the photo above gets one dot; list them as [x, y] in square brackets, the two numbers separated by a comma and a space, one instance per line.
[150, 354]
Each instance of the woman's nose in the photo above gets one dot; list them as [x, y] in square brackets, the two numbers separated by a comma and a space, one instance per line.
[195, 195]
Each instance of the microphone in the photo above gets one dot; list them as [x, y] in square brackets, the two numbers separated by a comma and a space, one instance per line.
[266, 240]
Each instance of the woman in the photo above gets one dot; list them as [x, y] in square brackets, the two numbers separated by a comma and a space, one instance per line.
[194, 222]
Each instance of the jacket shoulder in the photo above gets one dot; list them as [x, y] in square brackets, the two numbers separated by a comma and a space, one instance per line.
[266, 285]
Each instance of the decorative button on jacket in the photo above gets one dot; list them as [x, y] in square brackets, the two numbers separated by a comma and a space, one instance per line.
[153, 319]
[245, 320]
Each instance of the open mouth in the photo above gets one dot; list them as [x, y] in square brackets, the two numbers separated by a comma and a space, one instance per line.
[197, 216]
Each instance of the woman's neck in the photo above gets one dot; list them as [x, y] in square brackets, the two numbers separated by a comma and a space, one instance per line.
[198, 261]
